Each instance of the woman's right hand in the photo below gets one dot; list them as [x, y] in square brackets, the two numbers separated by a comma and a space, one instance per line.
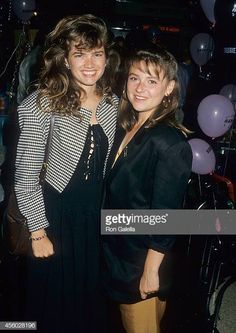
[43, 247]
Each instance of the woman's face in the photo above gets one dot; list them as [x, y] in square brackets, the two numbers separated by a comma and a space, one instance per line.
[145, 89]
[86, 66]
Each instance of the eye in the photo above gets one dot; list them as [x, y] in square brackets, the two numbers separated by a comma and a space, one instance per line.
[98, 54]
[132, 78]
[152, 81]
[79, 54]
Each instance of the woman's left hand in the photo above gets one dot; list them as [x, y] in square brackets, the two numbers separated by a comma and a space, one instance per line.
[149, 282]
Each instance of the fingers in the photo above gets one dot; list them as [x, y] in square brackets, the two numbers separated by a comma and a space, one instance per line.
[148, 286]
[42, 248]
[144, 294]
[43, 254]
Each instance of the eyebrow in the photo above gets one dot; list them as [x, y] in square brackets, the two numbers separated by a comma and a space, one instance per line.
[149, 77]
[99, 51]
[88, 50]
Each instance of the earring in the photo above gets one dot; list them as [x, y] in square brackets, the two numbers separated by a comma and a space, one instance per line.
[166, 101]
[67, 65]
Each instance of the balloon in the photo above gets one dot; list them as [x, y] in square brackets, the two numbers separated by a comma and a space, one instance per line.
[204, 159]
[215, 115]
[229, 91]
[24, 9]
[208, 8]
[201, 48]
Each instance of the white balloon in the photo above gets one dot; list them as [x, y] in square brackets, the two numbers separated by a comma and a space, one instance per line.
[215, 115]
[229, 91]
[204, 159]
[208, 8]
[202, 48]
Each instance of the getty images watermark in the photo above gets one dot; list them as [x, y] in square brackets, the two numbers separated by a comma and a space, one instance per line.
[172, 221]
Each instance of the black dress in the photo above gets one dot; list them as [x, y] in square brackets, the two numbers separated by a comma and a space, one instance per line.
[64, 293]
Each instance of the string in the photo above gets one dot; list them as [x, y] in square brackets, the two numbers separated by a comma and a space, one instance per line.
[228, 150]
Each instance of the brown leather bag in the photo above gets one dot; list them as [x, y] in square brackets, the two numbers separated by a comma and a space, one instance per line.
[15, 231]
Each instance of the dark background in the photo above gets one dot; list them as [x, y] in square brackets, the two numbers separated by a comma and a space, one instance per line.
[200, 259]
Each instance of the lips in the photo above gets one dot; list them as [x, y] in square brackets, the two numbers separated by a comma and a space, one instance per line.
[140, 98]
[89, 73]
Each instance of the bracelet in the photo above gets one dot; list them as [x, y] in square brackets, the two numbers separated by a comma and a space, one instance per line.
[39, 237]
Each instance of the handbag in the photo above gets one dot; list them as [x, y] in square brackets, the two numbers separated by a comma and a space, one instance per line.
[15, 231]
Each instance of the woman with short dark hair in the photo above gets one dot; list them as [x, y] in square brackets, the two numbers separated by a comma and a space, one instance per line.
[150, 169]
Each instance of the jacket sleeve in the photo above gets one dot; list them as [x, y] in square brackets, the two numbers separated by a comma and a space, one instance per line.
[171, 177]
[29, 159]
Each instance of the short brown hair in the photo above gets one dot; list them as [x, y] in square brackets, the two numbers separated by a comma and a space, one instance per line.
[163, 61]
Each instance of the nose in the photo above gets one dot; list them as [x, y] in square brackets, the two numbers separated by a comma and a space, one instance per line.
[88, 62]
[140, 86]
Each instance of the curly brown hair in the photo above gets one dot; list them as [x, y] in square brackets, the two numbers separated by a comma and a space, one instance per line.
[55, 80]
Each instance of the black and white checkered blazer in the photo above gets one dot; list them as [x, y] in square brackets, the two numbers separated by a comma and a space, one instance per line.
[68, 140]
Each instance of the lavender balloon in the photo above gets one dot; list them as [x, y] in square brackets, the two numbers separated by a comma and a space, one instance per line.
[204, 159]
[215, 115]
[229, 91]
[201, 48]
[208, 8]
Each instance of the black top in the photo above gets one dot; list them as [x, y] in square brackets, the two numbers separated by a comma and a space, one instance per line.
[152, 173]
[94, 154]
[87, 179]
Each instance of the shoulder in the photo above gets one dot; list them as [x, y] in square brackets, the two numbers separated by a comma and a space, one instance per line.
[166, 137]
[30, 108]
[112, 101]
[32, 102]
[167, 132]
[29, 102]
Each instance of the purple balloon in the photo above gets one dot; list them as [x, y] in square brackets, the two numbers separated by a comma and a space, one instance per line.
[201, 48]
[24, 9]
[229, 91]
[204, 159]
[208, 8]
[215, 115]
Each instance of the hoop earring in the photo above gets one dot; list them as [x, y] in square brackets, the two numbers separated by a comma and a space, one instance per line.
[166, 101]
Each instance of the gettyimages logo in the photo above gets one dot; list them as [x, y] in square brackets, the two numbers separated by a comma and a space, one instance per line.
[135, 219]
[130, 222]
[168, 222]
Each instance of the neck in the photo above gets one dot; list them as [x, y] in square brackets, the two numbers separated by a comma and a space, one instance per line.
[142, 117]
[90, 91]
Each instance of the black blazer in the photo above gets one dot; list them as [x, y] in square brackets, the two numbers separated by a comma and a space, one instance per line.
[151, 173]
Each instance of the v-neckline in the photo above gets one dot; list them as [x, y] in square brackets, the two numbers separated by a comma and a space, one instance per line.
[125, 149]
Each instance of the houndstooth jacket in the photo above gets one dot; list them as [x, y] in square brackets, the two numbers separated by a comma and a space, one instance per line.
[69, 135]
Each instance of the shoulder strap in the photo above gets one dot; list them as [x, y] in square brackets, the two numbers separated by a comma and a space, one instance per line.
[49, 140]
[47, 151]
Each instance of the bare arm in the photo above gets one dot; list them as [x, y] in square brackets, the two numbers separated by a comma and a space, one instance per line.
[150, 279]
